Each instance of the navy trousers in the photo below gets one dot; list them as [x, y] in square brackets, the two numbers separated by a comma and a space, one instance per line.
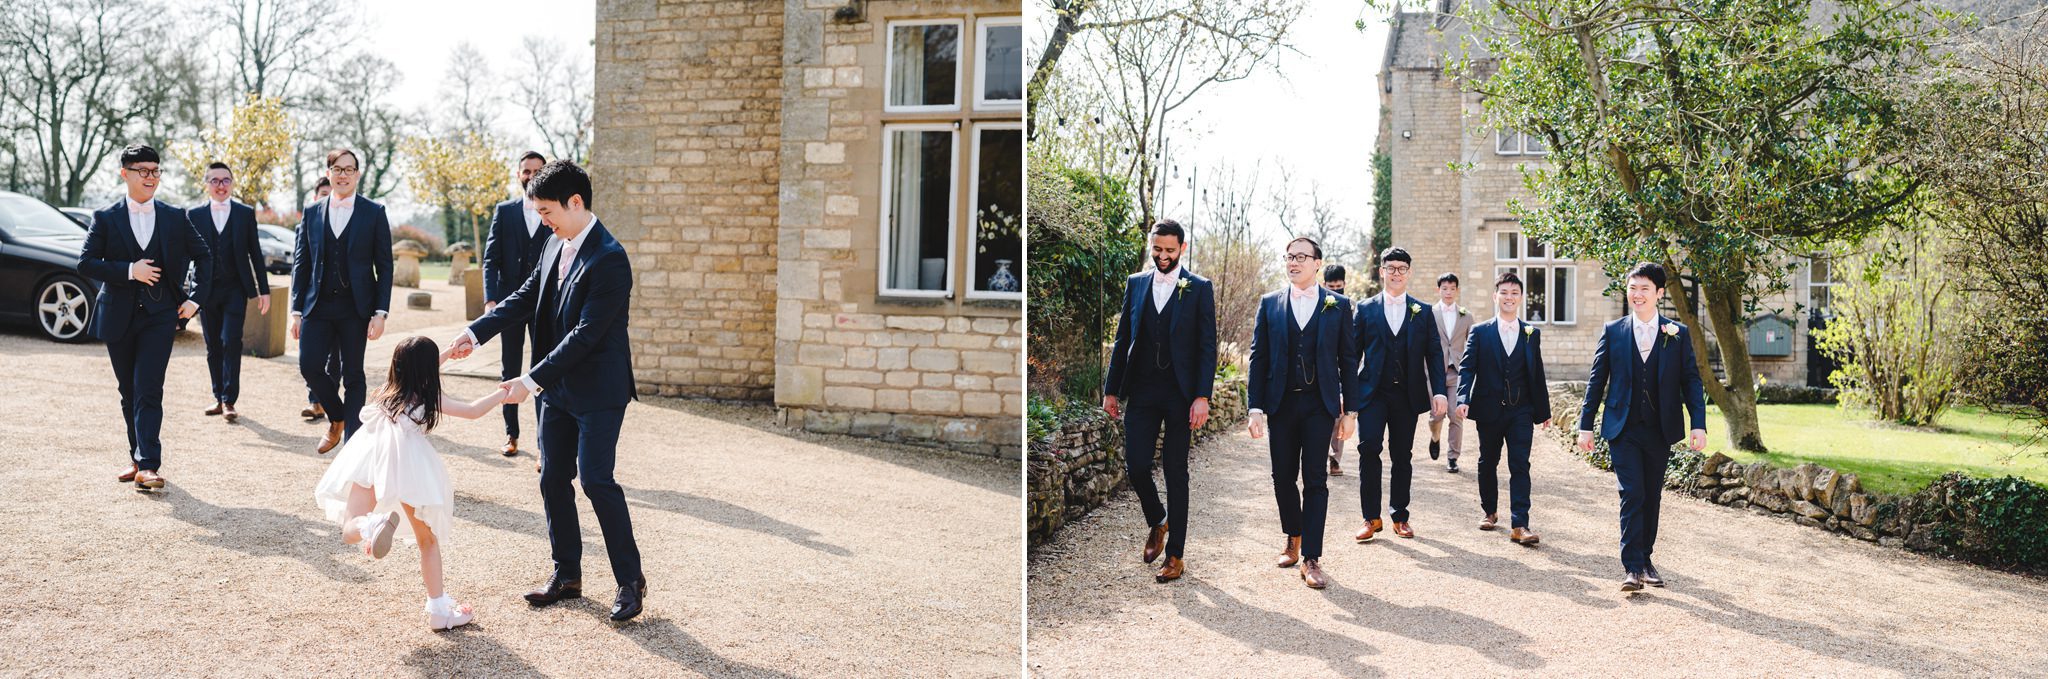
[1639, 461]
[335, 329]
[1391, 416]
[139, 359]
[220, 321]
[1144, 418]
[1298, 430]
[1514, 429]
[585, 446]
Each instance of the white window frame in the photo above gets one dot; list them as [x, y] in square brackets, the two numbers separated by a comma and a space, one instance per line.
[1812, 284]
[981, 27]
[1525, 147]
[888, 209]
[1506, 143]
[1549, 265]
[889, 66]
[974, 224]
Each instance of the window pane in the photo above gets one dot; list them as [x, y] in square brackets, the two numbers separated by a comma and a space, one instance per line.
[922, 65]
[1506, 144]
[1534, 298]
[999, 190]
[1505, 245]
[1002, 64]
[1534, 249]
[1818, 273]
[1562, 307]
[1533, 144]
[920, 199]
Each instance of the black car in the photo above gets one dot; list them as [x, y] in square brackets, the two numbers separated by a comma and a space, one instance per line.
[277, 247]
[39, 280]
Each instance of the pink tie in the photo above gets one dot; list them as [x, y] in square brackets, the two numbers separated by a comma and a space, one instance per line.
[1298, 294]
[568, 255]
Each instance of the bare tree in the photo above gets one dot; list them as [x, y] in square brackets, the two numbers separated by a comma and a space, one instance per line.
[74, 85]
[367, 125]
[468, 91]
[1224, 246]
[1316, 214]
[276, 40]
[555, 92]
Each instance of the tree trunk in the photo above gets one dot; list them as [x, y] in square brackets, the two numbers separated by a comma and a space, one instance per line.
[1737, 398]
[1056, 44]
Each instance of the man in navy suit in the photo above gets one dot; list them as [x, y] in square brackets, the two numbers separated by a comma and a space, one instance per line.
[511, 252]
[1164, 365]
[139, 249]
[313, 411]
[229, 228]
[1643, 372]
[1401, 377]
[341, 292]
[576, 301]
[1301, 372]
[1501, 388]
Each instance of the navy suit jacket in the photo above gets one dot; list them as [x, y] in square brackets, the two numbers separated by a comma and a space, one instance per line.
[1482, 376]
[580, 325]
[110, 246]
[1335, 351]
[1191, 334]
[238, 241]
[366, 248]
[1425, 353]
[1678, 381]
[506, 259]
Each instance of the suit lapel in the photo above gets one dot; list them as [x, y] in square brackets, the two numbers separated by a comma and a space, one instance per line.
[1141, 295]
[127, 230]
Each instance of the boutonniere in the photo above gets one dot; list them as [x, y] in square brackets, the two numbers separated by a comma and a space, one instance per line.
[1670, 331]
[1180, 287]
[1528, 331]
[1329, 303]
[1414, 309]
[1463, 312]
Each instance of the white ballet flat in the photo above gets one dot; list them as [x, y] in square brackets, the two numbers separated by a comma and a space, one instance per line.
[377, 534]
[457, 617]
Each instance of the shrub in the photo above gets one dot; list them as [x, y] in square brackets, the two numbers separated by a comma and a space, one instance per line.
[2000, 522]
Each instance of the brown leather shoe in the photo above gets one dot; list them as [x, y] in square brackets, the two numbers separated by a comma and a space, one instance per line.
[128, 476]
[1155, 542]
[312, 412]
[216, 409]
[228, 412]
[1291, 554]
[1523, 536]
[148, 478]
[333, 437]
[1491, 522]
[1372, 528]
[1171, 570]
[1312, 574]
[511, 446]
[1401, 528]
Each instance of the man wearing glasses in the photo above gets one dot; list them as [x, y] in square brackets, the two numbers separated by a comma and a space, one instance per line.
[1300, 382]
[229, 228]
[1402, 376]
[341, 292]
[511, 251]
[139, 250]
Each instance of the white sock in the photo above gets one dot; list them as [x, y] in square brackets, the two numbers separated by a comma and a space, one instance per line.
[443, 605]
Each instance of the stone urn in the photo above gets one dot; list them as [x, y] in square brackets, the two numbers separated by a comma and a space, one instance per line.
[406, 265]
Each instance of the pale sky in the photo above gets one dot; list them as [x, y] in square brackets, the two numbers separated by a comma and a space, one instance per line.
[418, 35]
[1317, 114]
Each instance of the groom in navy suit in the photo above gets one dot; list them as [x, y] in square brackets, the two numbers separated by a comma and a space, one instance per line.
[576, 301]
[229, 228]
[341, 292]
[1643, 372]
[1401, 377]
[511, 252]
[1164, 363]
[139, 249]
[1501, 388]
[1301, 370]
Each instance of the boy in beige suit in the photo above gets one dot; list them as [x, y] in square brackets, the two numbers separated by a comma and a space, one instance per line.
[1453, 323]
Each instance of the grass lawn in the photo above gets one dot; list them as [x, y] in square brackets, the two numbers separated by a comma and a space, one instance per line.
[1889, 458]
[434, 271]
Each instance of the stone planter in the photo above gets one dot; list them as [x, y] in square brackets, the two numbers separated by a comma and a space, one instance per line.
[405, 269]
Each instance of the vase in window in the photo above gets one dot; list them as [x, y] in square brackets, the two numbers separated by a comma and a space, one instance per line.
[1002, 280]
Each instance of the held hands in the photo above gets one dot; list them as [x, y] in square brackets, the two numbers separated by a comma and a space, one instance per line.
[1438, 405]
[1699, 439]
[502, 395]
[144, 271]
[187, 309]
[1198, 414]
[517, 390]
[1109, 405]
[461, 346]
[376, 327]
[1257, 425]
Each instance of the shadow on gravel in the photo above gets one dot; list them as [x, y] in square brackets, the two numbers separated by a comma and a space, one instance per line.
[262, 533]
[468, 651]
[1275, 631]
[663, 638]
[732, 516]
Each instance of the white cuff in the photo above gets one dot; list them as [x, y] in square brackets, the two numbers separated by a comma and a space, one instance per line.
[471, 336]
[1585, 431]
[1256, 411]
[528, 381]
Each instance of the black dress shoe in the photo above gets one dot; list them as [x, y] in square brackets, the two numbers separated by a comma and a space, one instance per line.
[556, 589]
[1632, 583]
[1451, 466]
[628, 603]
[1432, 449]
[1651, 578]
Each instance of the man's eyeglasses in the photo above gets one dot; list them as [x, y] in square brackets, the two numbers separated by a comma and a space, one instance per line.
[145, 173]
[220, 181]
[1402, 270]
[1296, 258]
[337, 169]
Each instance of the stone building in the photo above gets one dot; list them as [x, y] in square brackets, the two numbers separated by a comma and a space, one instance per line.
[1459, 221]
[821, 200]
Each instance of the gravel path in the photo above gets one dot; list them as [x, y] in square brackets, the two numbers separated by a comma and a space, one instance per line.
[768, 552]
[1748, 596]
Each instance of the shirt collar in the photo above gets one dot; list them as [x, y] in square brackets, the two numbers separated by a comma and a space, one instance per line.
[139, 207]
[1293, 292]
[348, 203]
[1163, 277]
[1391, 300]
[1638, 324]
[218, 205]
[577, 242]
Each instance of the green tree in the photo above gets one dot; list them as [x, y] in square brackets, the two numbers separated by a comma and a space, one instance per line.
[256, 143]
[464, 176]
[1897, 312]
[1720, 139]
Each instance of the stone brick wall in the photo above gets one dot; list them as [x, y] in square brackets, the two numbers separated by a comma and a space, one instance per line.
[684, 165]
[1081, 466]
[936, 371]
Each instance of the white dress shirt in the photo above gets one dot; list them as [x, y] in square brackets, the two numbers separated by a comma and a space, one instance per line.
[1646, 335]
[1510, 332]
[1396, 308]
[339, 210]
[142, 218]
[1163, 283]
[1303, 305]
[532, 217]
[220, 216]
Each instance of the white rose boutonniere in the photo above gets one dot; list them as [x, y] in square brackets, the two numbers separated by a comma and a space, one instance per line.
[1329, 303]
[1463, 312]
[1528, 330]
[1670, 331]
[1180, 287]
[1414, 309]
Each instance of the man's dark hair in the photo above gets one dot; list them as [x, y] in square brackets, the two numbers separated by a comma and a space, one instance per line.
[217, 165]
[335, 155]
[139, 153]
[1396, 255]
[1448, 277]
[559, 180]
[323, 184]
[1168, 227]
[532, 155]
[1333, 272]
[1312, 244]
[1651, 271]
[1507, 277]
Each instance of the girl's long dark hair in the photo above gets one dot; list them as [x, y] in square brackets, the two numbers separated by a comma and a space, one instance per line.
[414, 381]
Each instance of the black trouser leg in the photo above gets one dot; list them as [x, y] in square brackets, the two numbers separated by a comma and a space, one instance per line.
[511, 343]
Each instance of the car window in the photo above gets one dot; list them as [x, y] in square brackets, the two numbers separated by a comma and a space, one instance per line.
[30, 218]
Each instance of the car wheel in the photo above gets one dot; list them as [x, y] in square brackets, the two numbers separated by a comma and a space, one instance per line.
[63, 308]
